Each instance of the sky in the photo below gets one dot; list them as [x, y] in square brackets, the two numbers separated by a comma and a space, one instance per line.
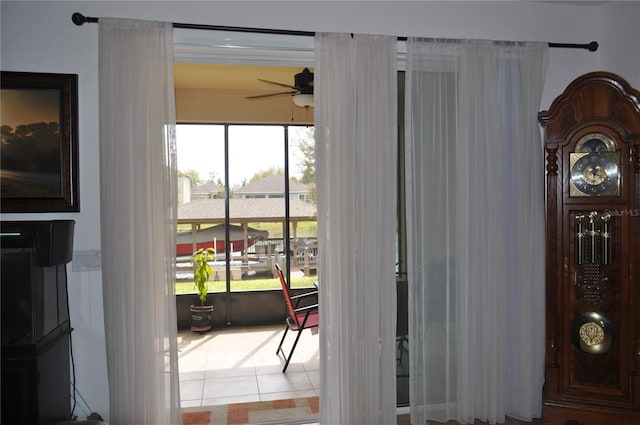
[29, 106]
[252, 149]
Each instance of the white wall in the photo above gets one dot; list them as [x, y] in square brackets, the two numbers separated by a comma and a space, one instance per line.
[39, 37]
[620, 40]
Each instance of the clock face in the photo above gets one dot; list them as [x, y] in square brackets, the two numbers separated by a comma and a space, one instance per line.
[595, 174]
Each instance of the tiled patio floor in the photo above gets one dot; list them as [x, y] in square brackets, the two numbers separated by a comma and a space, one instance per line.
[235, 365]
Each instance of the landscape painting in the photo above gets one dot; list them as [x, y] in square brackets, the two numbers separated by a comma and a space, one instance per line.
[38, 142]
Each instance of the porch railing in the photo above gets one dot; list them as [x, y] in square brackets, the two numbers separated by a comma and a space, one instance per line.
[259, 257]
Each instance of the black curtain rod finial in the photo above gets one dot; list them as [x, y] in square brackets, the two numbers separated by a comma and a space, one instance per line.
[593, 46]
[79, 19]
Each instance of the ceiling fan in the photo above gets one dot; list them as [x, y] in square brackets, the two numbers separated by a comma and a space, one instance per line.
[301, 92]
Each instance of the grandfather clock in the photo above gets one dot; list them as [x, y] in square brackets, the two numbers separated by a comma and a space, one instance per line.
[592, 144]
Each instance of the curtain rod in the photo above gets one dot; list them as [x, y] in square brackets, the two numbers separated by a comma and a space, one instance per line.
[80, 19]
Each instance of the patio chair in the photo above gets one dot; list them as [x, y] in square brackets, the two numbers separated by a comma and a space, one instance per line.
[299, 319]
[402, 323]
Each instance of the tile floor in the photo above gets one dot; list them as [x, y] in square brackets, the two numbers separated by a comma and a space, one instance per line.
[236, 365]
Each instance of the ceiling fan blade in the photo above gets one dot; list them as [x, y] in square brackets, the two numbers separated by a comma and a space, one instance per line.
[280, 84]
[271, 95]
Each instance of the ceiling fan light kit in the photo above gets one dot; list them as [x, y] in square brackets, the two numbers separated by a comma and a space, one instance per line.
[303, 100]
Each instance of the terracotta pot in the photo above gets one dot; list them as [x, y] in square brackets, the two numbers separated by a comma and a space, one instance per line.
[201, 317]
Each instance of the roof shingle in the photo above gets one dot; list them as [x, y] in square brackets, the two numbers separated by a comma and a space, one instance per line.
[273, 184]
[245, 210]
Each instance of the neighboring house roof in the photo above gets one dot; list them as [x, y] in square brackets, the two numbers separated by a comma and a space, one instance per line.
[273, 184]
[245, 210]
[206, 188]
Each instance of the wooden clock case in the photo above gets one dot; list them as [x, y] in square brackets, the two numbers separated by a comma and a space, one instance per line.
[592, 365]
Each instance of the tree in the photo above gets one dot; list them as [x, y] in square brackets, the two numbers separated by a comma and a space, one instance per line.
[307, 147]
[31, 147]
[194, 176]
[273, 171]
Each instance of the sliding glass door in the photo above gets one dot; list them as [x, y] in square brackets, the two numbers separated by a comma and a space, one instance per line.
[249, 192]
[256, 205]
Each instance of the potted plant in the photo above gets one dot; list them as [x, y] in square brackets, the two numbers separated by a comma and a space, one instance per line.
[201, 314]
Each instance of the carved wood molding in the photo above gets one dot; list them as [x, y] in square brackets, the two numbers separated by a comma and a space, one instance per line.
[552, 161]
[592, 98]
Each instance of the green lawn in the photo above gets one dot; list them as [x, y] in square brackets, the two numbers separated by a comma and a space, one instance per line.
[246, 285]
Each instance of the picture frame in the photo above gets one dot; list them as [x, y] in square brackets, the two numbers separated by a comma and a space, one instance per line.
[39, 142]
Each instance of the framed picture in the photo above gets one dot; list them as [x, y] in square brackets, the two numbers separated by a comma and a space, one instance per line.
[39, 142]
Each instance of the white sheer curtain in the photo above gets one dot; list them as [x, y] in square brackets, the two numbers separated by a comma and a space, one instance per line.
[474, 172]
[356, 154]
[138, 219]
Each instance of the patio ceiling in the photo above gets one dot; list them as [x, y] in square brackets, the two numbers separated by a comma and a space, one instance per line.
[232, 77]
